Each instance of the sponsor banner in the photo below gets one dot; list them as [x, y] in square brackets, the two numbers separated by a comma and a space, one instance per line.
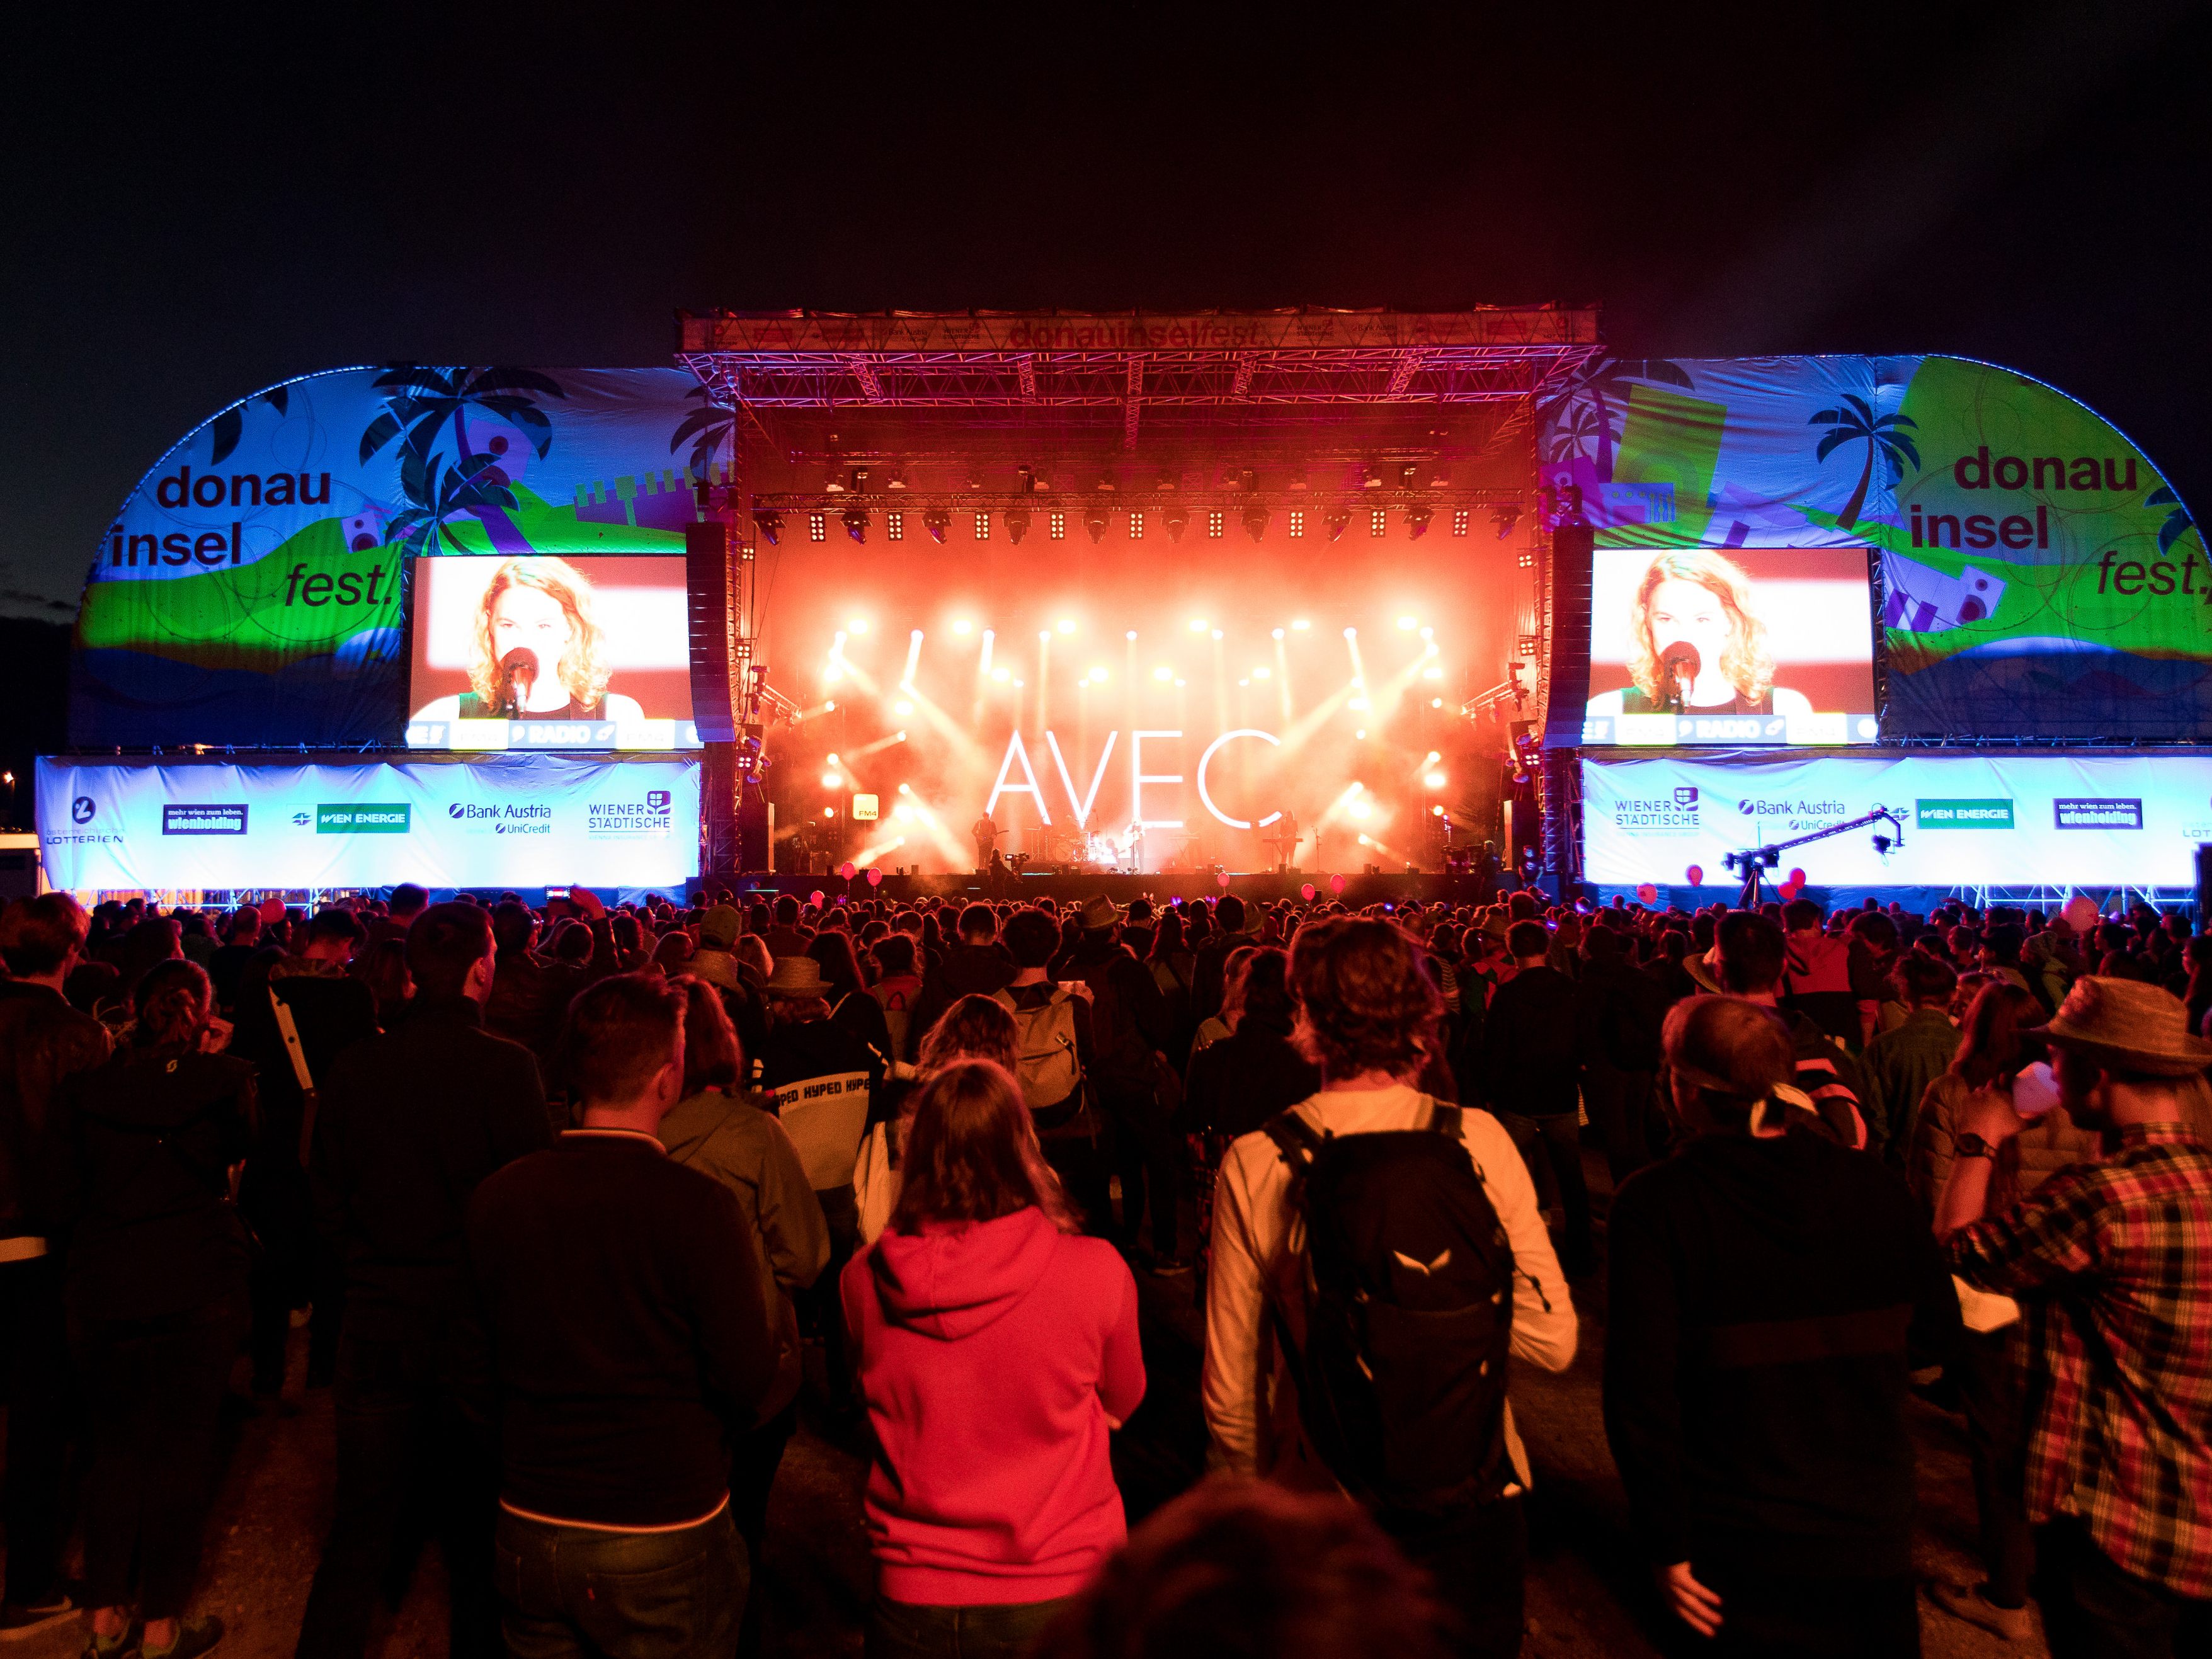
[2015, 821]
[503, 821]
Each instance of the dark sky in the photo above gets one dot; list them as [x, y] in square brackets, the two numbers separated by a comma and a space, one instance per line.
[202, 207]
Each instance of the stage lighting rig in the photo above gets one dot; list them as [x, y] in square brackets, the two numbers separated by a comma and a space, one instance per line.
[1017, 522]
[1177, 520]
[1256, 520]
[1094, 522]
[1337, 518]
[1417, 522]
[937, 521]
[1505, 516]
[770, 525]
[855, 521]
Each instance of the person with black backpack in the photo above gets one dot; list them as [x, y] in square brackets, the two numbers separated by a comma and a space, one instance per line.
[1053, 1063]
[1378, 1258]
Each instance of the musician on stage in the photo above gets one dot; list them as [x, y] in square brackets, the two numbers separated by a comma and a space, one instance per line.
[1286, 842]
[986, 831]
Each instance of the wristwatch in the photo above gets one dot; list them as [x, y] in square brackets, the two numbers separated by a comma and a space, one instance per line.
[1970, 1144]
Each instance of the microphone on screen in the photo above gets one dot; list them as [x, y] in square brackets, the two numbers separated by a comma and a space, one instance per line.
[1680, 665]
[518, 672]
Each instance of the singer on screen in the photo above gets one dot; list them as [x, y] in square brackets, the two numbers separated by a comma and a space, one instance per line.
[1695, 645]
[539, 653]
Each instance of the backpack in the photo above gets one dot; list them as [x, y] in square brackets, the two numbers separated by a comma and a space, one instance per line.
[1407, 1282]
[1044, 1046]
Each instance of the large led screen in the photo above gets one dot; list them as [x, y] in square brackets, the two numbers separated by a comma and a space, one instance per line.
[534, 651]
[1734, 646]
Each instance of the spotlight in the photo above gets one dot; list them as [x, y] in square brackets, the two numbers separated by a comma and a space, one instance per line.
[937, 521]
[855, 521]
[1177, 520]
[1431, 758]
[1300, 626]
[1263, 672]
[999, 675]
[1255, 521]
[1131, 635]
[962, 626]
[830, 780]
[1066, 625]
[1435, 702]
[902, 708]
[1505, 517]
[1098, 677]
[1359, 703]
[1370, 476]
[833, 760]
[770, 525]
[1360, 809]
[1417, 522]
[1335, 519]
[1351, 633]
[1407, 623]
[1094, 521]
[1018, 523]
[858, 625]
[1164, 674]
[1198, 624]
[1216, 633]
[1278, 634]
[1434, 781]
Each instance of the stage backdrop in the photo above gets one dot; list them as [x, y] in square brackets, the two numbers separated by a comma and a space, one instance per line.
[510, 821]
[254, 588]
[2015, 820]
[2037, 577]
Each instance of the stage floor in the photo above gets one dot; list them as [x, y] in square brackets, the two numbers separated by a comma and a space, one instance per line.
[1357, 890]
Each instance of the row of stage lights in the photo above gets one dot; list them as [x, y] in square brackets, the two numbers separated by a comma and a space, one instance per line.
[1333, 522]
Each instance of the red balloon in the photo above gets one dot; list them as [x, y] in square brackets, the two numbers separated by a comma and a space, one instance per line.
[1696, 873]
[875, 878]
[1797, 878]
[846, 868]
[1648, 893]
[1306, 892]
[1222, 880]
[815, 897]
[1336, 884]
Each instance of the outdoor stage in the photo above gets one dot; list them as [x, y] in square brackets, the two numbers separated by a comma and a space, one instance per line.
[1359, 891]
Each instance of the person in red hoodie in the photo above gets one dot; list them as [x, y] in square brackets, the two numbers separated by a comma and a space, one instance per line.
[998, 1350]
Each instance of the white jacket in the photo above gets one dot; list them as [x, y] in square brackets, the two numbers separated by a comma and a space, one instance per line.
[1251, 1403]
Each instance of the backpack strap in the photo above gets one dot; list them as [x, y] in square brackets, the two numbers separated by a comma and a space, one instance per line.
[1446, 1119]
[289, 1030]
[1294, 1138]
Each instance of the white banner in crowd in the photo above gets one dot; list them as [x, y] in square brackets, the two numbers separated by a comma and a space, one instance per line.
[509, 821]
[2008, 821]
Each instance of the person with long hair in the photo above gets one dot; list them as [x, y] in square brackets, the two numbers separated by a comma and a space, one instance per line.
[998, 1350]
[1691, 618]
[536, 650]
[148, 1147]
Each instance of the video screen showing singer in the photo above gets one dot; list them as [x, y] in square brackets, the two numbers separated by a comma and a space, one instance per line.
[1696, 645]
[538, 652]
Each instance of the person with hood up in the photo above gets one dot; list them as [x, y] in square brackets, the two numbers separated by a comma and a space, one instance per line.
[998, 1350]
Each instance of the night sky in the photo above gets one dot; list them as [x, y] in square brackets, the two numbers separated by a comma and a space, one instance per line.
[202, 207]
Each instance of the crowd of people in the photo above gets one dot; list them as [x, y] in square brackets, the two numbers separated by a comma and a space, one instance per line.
[573, 1202]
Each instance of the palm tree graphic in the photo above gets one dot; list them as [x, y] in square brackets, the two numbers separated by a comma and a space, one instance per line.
[1857, 422]
[435, 496]
[2178, 522]
[420, 399]
[1594, 425]
[706, 428]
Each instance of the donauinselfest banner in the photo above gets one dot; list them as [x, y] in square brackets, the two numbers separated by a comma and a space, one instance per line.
[509, 821]
[2011, 821]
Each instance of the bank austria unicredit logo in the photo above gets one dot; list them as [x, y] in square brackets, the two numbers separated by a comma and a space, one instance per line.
[649, 818]
[501, 818]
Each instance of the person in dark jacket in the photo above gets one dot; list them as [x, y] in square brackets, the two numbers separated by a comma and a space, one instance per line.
[1749, 961]
[331, 1011]
[1235, 927]
[1530, 1074]
[43, 1042]
[526, 1001]
[1619, 1018]
[1237, 1083]
[979, 965]
[411, 1121]
[145, 1150]
[1769, 1293]
[1130, 1020]
[632, 1344]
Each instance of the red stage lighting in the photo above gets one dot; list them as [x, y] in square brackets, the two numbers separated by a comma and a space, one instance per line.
[856, 523]
[1336, 518]
[1178, 520]
[1017, 523]
[937, 521]
[1255, 521]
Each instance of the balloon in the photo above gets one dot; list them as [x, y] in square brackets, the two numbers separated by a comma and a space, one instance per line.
[846, 868]
[2080, 913]
[1798, 880]
[875, 878]
[272, 909]
[1696, 873]
[815, 897]
[1649, 893]
[1222, 880]
[1336, 884]
[1306, 892]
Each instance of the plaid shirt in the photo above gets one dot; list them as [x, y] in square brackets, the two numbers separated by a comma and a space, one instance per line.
[2112, 1265]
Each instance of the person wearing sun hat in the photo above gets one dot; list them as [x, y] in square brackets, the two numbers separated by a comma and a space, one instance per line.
[2111, 1265]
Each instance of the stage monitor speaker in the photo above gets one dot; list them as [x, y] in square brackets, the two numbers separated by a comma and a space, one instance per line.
[1572, 548]
[706, 591]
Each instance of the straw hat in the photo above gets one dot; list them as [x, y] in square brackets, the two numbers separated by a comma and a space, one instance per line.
[720, 927]
[1706, 970]
[2128, 1025]
[1099, 912]
[797, 977]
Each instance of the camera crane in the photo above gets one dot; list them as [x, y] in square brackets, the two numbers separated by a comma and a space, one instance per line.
[1754, 862]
